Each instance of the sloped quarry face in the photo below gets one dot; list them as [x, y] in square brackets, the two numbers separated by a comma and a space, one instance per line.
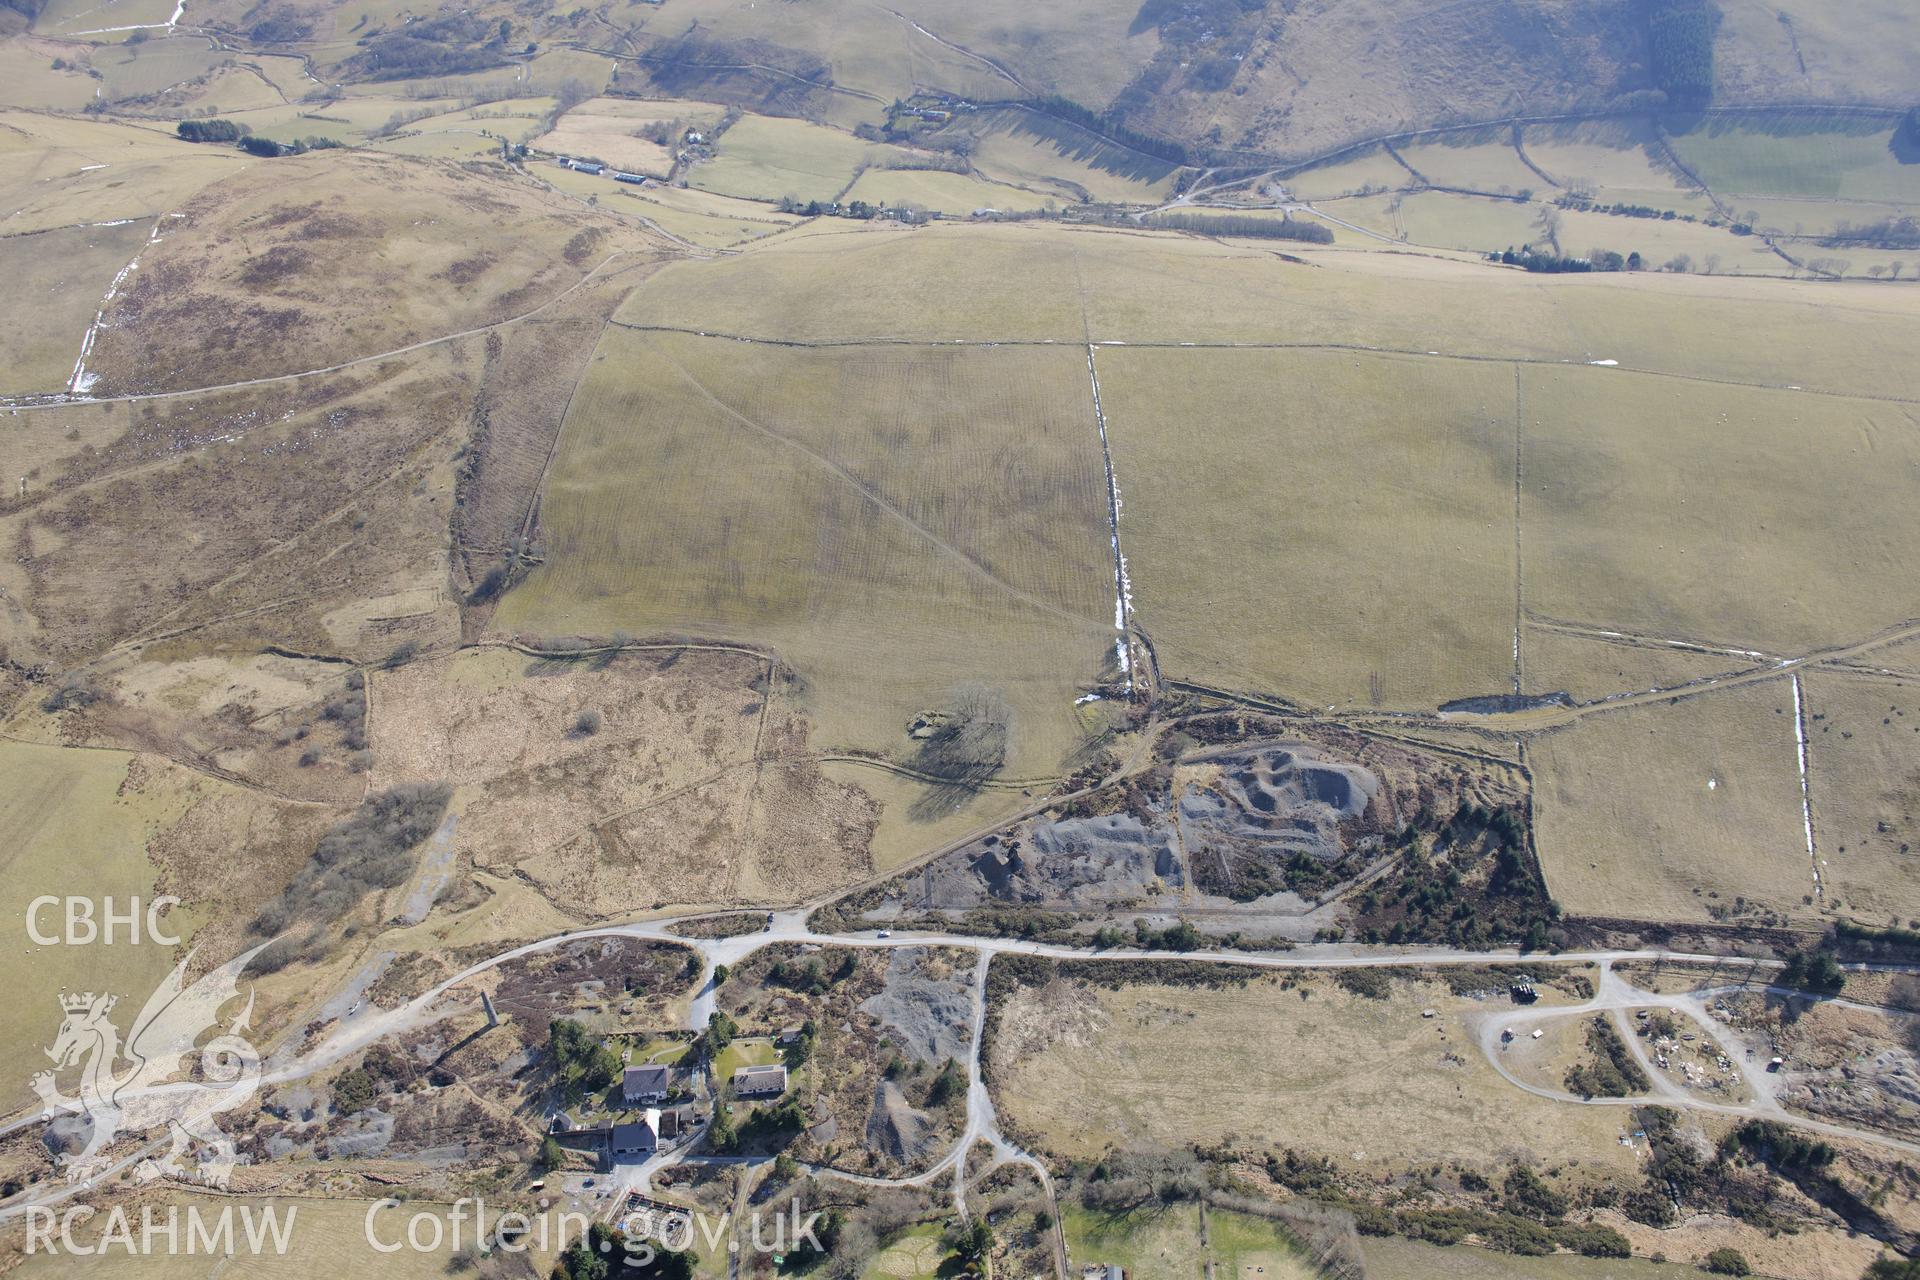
[1282, 800]
[1078, 861]
[1282, 782]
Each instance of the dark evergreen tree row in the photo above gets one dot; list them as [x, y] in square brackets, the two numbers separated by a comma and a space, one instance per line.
[1247, 225]
[1112, 130]
[1680, 48]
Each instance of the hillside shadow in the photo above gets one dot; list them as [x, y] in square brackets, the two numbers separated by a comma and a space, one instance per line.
[1088, 148]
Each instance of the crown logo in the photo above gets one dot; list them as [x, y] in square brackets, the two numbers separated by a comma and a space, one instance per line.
[83, 1002]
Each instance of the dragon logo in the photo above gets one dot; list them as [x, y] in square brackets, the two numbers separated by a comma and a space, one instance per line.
[150, 1092]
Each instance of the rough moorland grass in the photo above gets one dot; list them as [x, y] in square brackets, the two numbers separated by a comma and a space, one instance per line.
[349, 253]
[1589, 669]
[1361, 1080]
[1757, 519]
[895, 522]
[365, 852]
[27, 79]
[1675, 811]
[1289, 530]
[56, 171]
[1864, 749]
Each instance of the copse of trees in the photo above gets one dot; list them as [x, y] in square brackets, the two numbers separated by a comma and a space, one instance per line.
[1680, 48]
[1816, 971]
[584, 1063]
[1888, 233]
[210, 130]
[445, 46]
[1906, 135]
[229, 131]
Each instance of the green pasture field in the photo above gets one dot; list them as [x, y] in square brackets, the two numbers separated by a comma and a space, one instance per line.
[765, 158]
[1621, 161]
[1799, 156]
[1863, 734]
[1303, 522]
[68, 829]
[894, 522]
[1476, 159]
[1732, 516]
[989, 283]
[135, 70]
[1182, 1242]
[953, 194]
[916, 1254]
[743, 1053]
[696, 228]
[1713, 250]
[1378, 213]
[1028, 149]
[1393, 1258]
[1813, 216]
[1009, 282]
[1479, 223]
[326, 1235]
[56, 280]
[1370, 170]
[1694, 804]
[348, 120]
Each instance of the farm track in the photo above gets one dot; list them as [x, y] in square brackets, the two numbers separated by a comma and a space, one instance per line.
[1634, 640]
[193, 764]
[1613, 996]
[978, 58]
[883, 340]
[351, 1035]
